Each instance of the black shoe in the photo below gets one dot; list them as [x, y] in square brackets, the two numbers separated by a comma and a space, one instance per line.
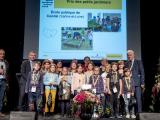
[52, 113]
[19, 108]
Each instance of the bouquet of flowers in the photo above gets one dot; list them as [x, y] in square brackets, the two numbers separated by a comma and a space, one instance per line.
[86, 97]
[155, 97]
[83, 103]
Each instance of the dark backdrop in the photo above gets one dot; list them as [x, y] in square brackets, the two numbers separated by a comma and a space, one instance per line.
[12, 36]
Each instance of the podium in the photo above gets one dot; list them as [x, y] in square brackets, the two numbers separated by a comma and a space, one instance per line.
[19, 115]
[148, 116]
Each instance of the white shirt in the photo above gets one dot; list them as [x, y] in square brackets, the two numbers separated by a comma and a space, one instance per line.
[31, 64]
[3, 66]
[132, 64]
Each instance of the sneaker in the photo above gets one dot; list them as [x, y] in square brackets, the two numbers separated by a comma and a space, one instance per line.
[112, 117]
[133, 116]
[118, 116]
[128, 116]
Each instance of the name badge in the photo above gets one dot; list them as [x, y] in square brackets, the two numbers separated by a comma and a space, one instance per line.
[128, 95]
[115, 90]
[33, 89]
[102, 95]
[64, 91]
[94, 90]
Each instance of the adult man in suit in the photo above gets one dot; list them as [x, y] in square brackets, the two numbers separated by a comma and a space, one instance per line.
[137, 69]
[26, 67]
[3, 78]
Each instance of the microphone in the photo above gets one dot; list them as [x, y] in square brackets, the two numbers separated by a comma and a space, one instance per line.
[2, 69]
[1, 66]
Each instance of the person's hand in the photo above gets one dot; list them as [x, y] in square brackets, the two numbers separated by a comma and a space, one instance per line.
[53, 83]
[63, 79]
[26, 91]
[123, 95]
[109, 92]
[50, 83]
[143, 88]
[120, 93]
[60, 98]
[132, 94]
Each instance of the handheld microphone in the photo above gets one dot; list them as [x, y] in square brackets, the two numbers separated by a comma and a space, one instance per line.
[2, 69]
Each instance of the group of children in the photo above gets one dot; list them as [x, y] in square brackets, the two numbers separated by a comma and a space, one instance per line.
[108, 80]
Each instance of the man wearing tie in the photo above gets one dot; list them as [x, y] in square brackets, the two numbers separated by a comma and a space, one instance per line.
[137, 70]
[26, 67]
[3, 78]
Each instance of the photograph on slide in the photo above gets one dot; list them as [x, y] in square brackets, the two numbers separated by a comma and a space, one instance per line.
[105, 22]
[76, 38]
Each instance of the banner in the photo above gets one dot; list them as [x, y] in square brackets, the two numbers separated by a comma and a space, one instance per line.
[89, 4]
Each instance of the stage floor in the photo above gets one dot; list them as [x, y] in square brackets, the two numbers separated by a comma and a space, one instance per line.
[59, 117]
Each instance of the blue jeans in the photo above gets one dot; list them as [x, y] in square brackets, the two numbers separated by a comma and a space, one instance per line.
[65, 107]
[34, 99]
[127, 109]
[2, 90]
[102, 100]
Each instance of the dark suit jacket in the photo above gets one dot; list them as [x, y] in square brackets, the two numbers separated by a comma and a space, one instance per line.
[137, 72]
[25, 69]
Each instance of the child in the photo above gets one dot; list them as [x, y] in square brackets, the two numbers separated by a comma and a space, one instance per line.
[65, 91]
[50, 80]
[46, 66]
[59, 67]
[128, 89]
[73, 67]
[106, 79]
[98, 88]
[96, 81]
[121, 100]
[116, 90]
[89, 72]
[106, 76]
[34, 88]
[104, 62]
[78, 79]
[86, 61]
[120, 67]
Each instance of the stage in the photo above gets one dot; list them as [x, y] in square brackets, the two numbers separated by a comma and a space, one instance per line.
[23, 116]
[59, 117]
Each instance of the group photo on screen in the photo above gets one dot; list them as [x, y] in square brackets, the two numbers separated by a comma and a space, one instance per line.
[105, 22]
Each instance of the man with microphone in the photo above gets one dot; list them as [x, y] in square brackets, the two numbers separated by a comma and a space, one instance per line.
[3, 78]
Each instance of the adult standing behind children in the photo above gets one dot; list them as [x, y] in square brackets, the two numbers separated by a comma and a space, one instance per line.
[26, 67]
[137, 70]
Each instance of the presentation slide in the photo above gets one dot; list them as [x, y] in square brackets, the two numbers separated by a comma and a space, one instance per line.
[70, 29]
